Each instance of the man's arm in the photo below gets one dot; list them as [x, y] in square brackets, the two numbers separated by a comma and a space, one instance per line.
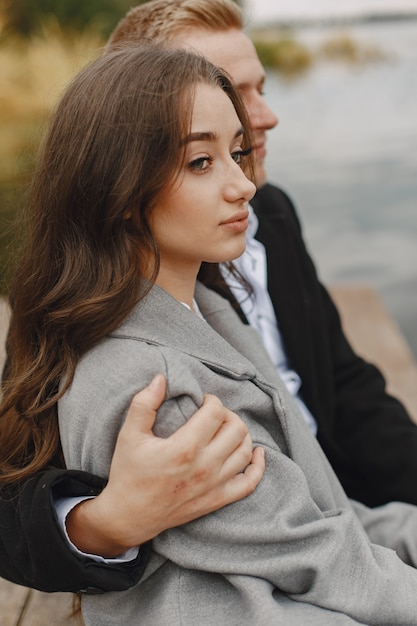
[143, 486]
[33, 550]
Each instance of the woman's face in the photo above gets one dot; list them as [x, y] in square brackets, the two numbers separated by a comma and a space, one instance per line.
[203, 216]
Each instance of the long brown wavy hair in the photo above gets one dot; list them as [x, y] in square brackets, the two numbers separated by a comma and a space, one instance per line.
[113, 144]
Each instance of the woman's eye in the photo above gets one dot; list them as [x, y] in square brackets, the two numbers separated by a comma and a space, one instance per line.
[239, 155]
[201, 164]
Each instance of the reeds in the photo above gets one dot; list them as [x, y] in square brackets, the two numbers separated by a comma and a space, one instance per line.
[279, 49]
[34, 72]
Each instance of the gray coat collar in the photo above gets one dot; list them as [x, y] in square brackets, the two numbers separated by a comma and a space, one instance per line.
[219, 341]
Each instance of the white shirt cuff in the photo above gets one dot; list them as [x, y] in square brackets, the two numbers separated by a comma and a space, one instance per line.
[63, 507]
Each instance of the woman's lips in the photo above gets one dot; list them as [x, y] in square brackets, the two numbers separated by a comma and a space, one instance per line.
[238, 222]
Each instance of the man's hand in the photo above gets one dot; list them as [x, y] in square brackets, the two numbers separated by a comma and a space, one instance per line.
[156, 483]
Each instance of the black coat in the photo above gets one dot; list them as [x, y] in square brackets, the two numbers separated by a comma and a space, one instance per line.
[366, 434]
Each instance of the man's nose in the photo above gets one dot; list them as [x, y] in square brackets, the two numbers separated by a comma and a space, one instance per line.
[261, 115]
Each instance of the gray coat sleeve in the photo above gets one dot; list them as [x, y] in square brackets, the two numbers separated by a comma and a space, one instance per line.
[392, 525]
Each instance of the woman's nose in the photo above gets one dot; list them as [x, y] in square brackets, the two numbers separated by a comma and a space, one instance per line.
[239, 187]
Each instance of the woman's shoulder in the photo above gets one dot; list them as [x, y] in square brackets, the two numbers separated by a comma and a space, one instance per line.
[118, 360]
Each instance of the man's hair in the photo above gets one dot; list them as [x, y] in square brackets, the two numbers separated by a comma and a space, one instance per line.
[162, 20]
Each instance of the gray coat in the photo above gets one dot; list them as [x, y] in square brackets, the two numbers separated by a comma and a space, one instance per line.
[295, 552]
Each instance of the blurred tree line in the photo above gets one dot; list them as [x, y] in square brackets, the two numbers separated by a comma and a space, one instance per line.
[25, 17]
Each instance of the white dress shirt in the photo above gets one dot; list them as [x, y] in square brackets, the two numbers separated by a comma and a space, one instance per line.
[259, 311]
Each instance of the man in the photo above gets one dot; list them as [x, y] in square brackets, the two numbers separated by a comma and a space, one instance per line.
[366, 434]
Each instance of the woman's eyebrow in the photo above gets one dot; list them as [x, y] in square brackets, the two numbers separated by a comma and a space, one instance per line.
[208, 136]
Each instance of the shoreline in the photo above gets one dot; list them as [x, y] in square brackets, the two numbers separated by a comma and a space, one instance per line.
[294, 22]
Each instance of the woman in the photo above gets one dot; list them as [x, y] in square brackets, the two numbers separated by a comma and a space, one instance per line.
[140, 191]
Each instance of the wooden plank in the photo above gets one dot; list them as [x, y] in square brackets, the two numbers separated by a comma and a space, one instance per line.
[43, 609]
[13, 599]
[376, 337]
[20, 606]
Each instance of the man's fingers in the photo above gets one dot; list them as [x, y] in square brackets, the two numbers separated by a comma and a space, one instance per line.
[212, 421]
[143, 408]
[235, 488]
[236, 460]
[246, 482]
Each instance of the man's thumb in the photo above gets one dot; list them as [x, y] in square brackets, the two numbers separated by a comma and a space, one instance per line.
[144, 405]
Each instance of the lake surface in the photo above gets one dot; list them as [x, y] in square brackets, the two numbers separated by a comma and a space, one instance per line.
[346, 151]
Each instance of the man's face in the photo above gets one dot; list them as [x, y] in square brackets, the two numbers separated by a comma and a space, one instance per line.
[234, 52]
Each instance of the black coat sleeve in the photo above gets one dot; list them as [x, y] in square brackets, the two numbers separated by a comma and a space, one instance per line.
[33, 549]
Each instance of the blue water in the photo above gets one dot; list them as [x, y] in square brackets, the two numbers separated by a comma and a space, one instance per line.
[346, 151]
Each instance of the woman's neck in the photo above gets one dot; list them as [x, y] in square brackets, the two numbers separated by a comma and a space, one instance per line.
[180, 285]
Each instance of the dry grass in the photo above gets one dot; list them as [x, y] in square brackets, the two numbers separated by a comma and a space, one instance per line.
[34, 72]
[344, 48]
[283, 53]
[280, 50]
